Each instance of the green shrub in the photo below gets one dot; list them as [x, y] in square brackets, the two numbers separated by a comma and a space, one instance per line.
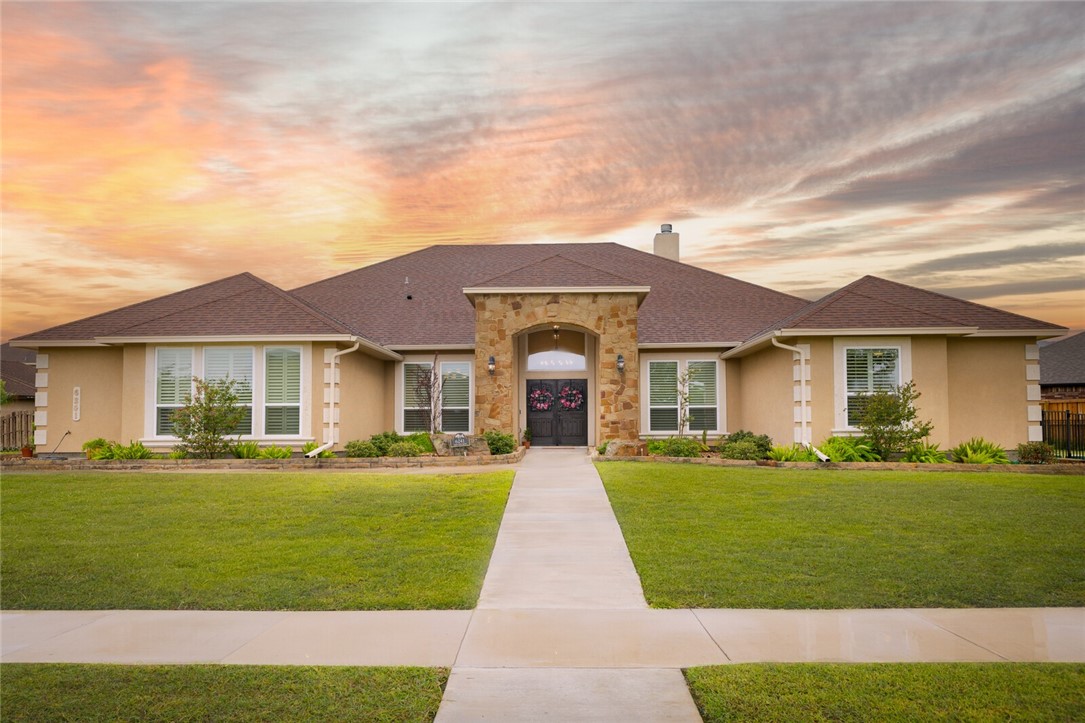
[889, 421]
[743, 449]
[848, 449]
[403, 449]
[763, 442]
[115, 450]
[362, 448]
[422, 441]
[91, 446]
[384, 440]
[675, 447]
[211, 413]
[792, 453]
[274, 452]
[177, 454]
[498, 442]
[979, 451]
[924, 453]
[1035, 453]
[244, 450]
[310, 446]
[602, 448]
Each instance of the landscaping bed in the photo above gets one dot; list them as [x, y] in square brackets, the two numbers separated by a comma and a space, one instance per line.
[248, 542]
[751, 537]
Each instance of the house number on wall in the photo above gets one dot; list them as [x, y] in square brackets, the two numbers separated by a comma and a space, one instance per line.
[75, 404]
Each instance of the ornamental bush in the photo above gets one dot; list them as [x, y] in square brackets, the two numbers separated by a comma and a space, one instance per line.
[384, 440]
[792, 453]
[246, 450]
[762, 441]
[211, 413]
[890, 421]
[498, 442]
[115, 450]
[403, 449]
[1035, 453]
[979, 451]
[743, 449]
[675, 447]
[848, 449]
[275, 452]
[362, 448]
[924, 453]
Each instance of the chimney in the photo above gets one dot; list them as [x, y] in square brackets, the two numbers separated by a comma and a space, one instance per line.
[666, 243]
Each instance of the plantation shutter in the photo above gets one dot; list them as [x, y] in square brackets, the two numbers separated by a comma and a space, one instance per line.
[416, 411]
[702, 395]
[282, 379]
[456, 397]
[869, 371]
[232, 363]
[173, 383]
[663, 396]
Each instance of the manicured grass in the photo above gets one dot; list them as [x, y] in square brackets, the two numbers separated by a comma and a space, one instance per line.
[890, 692]
[764, 538]
[248, 541]
[218, 693]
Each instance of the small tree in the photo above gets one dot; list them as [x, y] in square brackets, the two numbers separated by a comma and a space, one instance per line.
[428, 390]
[889, 423]
[209, 416]
[5, 398]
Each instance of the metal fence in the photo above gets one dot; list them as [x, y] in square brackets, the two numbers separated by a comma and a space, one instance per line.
[1065, 431]
[16, 429]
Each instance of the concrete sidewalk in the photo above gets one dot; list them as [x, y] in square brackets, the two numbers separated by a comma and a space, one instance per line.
[561, 631]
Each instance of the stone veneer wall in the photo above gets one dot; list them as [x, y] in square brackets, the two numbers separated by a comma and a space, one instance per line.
[611, 317]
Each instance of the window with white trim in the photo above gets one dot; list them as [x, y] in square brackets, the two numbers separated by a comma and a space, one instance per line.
[701, 386]
[456, 396]
[663, 396]
[282, 390]
[416, 409]
[869, 370]
[173, 382]
[220, 363]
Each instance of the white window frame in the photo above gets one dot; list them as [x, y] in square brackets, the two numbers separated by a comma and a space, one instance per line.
[258, 390]
[682, 361]
[153, 376]
[841, 345]
[470, 396]
[283, 405]
[250, 405]
[427, 360]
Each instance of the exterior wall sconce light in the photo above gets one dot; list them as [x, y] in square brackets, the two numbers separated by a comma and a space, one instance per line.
[621, 364]
[491, 365]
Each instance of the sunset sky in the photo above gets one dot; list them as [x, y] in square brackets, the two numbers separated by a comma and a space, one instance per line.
[153, 146]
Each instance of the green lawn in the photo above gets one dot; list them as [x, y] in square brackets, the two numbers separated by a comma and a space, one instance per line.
[248, 541]
[773, 538]
[890, 692]
[218, 693]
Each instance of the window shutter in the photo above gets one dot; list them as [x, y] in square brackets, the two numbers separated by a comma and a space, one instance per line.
[283, 376]
[702, 383]
[456, 385]
[412, 375]
[663, 396]
[224, 363]
[174, 375]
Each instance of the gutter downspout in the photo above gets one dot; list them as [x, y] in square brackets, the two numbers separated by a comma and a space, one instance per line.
[804, 397]
[331, 400]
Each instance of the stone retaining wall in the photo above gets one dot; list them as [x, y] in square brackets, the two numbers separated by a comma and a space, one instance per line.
[1057, 468]
[294, 464]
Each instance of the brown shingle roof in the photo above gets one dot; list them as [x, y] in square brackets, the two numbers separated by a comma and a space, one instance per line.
[874, 303]
[18, 378]
[557, 272]
[1062, 362]
[237, 305]
[686, 304]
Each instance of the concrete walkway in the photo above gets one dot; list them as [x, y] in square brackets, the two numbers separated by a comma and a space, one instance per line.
[562, 630]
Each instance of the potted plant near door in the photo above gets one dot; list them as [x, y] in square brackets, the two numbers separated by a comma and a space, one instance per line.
[527, 438]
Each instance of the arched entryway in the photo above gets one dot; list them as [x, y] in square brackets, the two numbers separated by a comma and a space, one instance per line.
[557, 363]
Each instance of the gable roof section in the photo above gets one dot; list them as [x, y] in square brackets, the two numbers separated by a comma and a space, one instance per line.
[686, 305]
[18, 378]
[1063, 362]
[241, 305]
[874, 303]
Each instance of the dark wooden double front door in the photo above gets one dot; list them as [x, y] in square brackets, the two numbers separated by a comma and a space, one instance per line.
[557, 412]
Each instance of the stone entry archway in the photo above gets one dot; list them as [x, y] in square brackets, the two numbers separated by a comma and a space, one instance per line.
[557, 412]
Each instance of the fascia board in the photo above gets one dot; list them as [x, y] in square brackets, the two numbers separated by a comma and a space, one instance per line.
[373, 347]
[883, 331]
[1041, 333]
[688, 345]
[476, 290]
[38, 343]
[431, 347]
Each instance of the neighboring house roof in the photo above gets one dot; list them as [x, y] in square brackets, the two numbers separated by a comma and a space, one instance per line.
[1062, 362]
[241, 305]
[686, 305]
[874, 303]
[17, 369]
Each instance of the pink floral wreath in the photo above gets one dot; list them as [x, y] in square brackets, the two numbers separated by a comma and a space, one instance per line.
[540, 400]
[571, 398]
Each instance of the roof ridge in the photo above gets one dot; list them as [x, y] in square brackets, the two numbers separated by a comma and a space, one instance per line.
[309, 308]
[543, 260]
[902, 304]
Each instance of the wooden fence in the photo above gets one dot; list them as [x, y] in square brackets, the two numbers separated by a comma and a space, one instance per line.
[16, 429]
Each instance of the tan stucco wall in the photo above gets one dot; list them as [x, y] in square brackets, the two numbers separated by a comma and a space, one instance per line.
[930, 372]
[99, 374]
[988, 390]
[766, 395]
[365, 389]
[610, 317]
[134, 382]
[820, 389]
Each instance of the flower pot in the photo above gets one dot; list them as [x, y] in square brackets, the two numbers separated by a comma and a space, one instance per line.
[27, 451]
